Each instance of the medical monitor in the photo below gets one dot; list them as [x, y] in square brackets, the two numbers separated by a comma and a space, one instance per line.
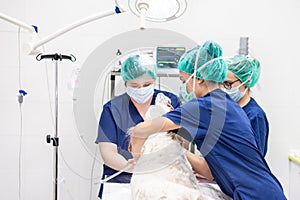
[168, 57]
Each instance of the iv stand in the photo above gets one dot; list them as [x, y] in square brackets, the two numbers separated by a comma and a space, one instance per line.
[55, 139]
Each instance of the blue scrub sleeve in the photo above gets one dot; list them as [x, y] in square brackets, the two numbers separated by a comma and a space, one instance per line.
[175, 102]
[188, 117]
[174, 116]
[260, 128]
[107, 129]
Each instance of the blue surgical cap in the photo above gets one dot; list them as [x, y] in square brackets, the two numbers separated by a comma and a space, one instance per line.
[138, 66]
[245, 68]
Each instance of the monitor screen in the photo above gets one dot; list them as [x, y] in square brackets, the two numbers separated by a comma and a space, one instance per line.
[168, 57]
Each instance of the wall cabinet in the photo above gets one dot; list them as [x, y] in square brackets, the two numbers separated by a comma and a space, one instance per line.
[294, 176]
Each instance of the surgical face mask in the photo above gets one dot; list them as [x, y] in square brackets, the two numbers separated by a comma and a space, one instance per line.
[185, 95]
[235, 93]
[183, 91]
[141, 95]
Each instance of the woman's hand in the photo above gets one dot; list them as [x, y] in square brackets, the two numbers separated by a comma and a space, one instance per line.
[130, 164]
[136, 144]
[170, 106]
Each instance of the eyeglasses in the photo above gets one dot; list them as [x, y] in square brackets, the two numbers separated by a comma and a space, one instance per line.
[228, 85]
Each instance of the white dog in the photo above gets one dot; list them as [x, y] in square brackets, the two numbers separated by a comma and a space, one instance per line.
[163, 171]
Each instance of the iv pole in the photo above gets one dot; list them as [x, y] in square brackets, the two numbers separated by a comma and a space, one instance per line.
[55, 139]
[31, 48]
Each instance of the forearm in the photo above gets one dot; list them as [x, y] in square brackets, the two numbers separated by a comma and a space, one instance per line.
[142, 131]
[111, 157]
[148, 127]
[199, 165]
[135, 146]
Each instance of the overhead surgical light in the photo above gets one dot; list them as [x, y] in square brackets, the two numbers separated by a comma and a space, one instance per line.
[155, 10]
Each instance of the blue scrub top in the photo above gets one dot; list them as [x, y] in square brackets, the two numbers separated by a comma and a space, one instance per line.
[223, 134]
[117, 117]
[259, 123]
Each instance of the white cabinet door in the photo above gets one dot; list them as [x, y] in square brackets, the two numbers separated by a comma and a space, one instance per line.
[294, 181]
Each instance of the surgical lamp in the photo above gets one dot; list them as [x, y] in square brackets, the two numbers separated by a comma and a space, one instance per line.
[155, 10]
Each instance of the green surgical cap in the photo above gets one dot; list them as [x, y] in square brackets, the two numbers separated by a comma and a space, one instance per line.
[214, 71]
[186, 62]
[245, 68]
[138, 66]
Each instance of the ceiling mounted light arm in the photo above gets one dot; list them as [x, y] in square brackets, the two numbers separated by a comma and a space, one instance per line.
[16, 22]
[32, 47]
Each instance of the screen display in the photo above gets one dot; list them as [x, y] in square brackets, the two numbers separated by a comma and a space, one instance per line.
[168, 57]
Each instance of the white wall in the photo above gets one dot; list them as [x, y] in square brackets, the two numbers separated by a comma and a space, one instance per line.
[272, 27]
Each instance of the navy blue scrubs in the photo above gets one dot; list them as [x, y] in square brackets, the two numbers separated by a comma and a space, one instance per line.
[117, 117]
[223, 134]
[259, 123]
